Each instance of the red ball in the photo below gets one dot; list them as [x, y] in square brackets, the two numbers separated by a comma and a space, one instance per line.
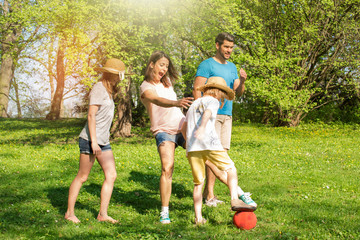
[245, 220]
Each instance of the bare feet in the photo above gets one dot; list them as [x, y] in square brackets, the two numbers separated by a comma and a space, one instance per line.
[71, 218]
[101, 218]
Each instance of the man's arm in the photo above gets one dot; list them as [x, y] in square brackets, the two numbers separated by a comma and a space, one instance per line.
[239, 84]
[199, 81]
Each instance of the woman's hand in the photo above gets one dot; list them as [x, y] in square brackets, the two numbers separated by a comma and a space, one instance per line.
[185, 102]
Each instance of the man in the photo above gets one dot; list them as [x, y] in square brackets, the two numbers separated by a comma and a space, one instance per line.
[220, 66]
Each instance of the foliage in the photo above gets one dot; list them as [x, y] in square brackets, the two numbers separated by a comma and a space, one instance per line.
[300, 55]
[302, 179]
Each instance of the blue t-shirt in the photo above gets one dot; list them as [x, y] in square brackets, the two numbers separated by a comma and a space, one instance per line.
[211, 68]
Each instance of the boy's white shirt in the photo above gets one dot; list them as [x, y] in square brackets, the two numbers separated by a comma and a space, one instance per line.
[210, 140]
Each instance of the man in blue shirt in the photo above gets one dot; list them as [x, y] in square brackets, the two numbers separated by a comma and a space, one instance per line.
[219, 66]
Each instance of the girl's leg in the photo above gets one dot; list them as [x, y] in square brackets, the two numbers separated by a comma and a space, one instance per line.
[166, 152]
[107, 163]
[85, 165]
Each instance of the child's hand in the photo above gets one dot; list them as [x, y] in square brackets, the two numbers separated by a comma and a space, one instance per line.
[199, 133]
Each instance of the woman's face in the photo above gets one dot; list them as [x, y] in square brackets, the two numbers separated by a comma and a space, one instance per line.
[159, 69]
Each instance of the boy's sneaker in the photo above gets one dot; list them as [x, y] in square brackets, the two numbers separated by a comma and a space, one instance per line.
[238, 205]
[213, 202]
[164, 218]
[247, 199]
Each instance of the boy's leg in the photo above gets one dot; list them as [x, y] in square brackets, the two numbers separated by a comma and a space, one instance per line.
[197, 196]
[236, 203]
[223, 162]
[197, 163]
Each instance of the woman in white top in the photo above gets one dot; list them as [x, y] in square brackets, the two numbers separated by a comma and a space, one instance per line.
[94, 139]
[159, 98]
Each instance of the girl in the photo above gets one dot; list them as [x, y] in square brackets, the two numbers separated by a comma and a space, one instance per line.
[94, 139]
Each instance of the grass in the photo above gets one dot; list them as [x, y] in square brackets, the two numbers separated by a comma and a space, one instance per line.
[304, 179]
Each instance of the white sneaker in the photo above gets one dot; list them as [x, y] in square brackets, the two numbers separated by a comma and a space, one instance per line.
[164, 218]
[213, 202]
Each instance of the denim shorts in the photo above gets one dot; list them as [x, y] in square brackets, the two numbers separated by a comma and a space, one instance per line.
[85, 146]
[178, 139]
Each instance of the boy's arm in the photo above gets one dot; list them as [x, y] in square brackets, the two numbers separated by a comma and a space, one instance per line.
[199, 133]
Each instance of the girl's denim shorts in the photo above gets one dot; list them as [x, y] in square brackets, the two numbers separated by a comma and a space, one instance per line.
[178, 139]
[85, 146]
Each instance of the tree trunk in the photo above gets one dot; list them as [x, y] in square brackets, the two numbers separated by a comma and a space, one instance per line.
[7, 62]
[17, 97]
[60, 79]
[6, 74]
[122, 121]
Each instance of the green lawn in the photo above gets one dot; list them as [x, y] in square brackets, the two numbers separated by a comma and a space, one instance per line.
[305, 181]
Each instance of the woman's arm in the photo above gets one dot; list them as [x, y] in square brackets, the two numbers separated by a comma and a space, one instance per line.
[151, 96]
[92, 129]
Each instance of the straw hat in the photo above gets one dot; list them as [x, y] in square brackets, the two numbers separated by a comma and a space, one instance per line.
[114, 66]
[218, 82]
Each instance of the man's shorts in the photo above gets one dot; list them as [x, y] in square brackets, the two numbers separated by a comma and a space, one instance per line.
[197, 161]
[223, 125]
[178, 139]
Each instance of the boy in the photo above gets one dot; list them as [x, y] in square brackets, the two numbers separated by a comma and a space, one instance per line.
[202, 143]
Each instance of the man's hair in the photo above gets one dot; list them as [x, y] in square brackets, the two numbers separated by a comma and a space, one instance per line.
[224, 36]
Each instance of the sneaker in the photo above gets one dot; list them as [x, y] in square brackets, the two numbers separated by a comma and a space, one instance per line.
[200, 222]
[164, 218]
[247, 199]
[213, 202]
[238, 205]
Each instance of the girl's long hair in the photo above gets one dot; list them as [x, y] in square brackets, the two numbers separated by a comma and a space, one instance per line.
[171, 74]
[106, 81]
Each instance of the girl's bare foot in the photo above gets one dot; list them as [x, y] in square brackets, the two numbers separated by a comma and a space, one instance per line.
[71, 218]
[106, 219]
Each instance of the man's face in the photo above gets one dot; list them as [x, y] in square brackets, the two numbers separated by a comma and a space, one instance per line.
[225, 49]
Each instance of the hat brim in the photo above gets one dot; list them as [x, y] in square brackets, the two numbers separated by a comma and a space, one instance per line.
[229, 92]
[109, 70]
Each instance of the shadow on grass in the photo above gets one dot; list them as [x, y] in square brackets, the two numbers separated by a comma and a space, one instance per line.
[58, 198]
[151, 181]
[40, 132]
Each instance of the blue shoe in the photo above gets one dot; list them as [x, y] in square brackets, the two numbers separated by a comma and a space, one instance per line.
[247, 199]
[164, 218]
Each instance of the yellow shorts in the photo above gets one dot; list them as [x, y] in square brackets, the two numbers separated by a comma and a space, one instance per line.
[197, 162]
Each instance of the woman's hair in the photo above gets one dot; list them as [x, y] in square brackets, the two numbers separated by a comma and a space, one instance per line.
[171, 74]
[106, 79]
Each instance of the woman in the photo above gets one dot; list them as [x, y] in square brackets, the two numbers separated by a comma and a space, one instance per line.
[94, 139]
[159, 98]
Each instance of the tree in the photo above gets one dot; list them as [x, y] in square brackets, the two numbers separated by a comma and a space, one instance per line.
[300, 56]
[18, 27]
